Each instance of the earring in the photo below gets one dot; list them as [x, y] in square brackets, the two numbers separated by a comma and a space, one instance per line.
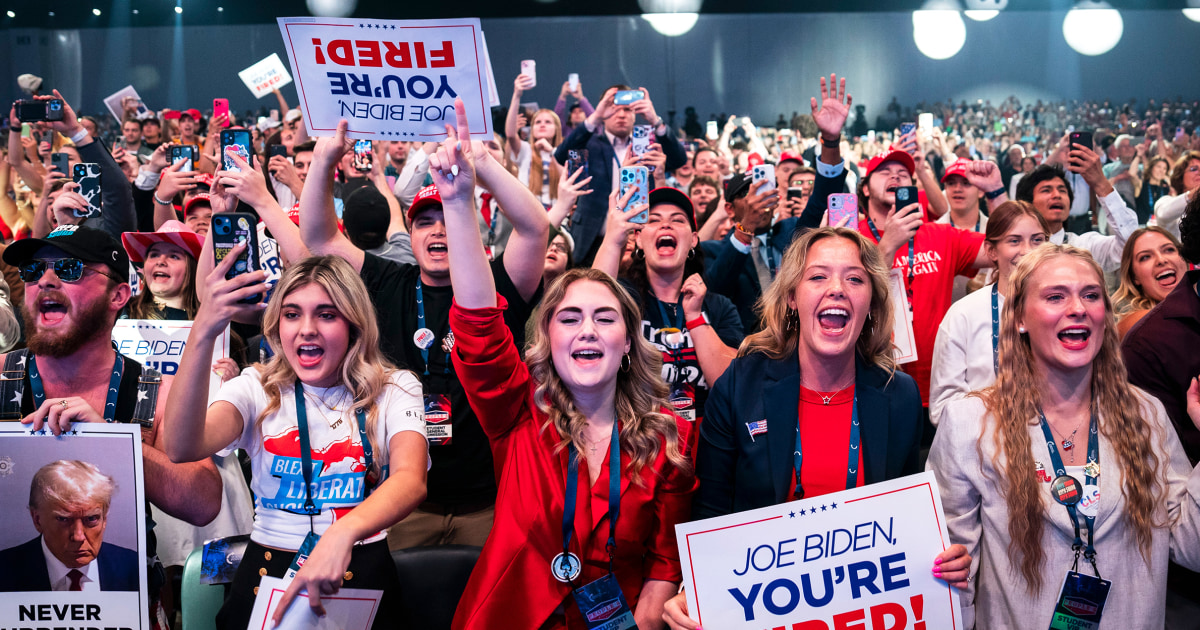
[691, 253]
[625, 362]
[638, 253]
[1021, 329]
[791, 320]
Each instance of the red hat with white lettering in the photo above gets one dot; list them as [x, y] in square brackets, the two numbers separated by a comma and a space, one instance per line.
[959, 167]
[428, 197]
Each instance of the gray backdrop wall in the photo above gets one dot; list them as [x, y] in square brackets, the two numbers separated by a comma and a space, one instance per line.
[757, 65]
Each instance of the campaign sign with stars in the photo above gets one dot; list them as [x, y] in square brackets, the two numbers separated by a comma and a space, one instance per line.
[861, 558]
[159, 344]
[89, 519]
[390, 79]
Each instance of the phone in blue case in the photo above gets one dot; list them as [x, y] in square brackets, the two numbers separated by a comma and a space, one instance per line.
[637, 177]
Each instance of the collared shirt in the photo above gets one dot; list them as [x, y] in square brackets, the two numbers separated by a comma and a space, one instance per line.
[1106, 249]
[60, 581]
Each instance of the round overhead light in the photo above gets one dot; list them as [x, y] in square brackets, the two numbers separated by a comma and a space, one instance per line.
[135, 11]
[1093, 28]
[671, 24]
[1192, 14]
[11, 14]
[178, 9]
[981, 15]
[220, 9]
[939, 33]
[332, 8]
[95, 12]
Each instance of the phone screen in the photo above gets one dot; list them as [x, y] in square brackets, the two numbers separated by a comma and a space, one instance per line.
[239, 139]
[363, 158]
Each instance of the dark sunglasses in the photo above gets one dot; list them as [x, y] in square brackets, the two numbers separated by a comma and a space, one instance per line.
[67, 270]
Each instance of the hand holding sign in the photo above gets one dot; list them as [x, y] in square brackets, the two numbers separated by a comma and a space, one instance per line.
[452, 166]
[329, 150]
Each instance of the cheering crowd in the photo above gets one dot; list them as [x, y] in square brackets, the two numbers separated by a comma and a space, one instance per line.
[459, 331]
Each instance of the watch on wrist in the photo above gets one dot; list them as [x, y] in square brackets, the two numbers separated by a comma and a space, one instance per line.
[741, 228]
[832, 144]
[994, 193]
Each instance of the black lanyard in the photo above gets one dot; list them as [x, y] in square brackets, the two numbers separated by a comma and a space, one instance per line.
[1093, 466]
[614, 494]
[851, 465]
[996, 327]
[310, 507]
[912, 258]
[110, 402]
[421, 324]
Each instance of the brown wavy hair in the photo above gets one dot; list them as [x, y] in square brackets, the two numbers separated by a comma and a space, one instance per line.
[641, 392]
[142, 305]
[535, 161]
[1001, 220]
[1013, 405]
[1180, 168]
[365, 371]
[1130, 296]
[778, 342]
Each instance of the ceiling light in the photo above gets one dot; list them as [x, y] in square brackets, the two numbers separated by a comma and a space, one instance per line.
[1192, 14]
[939, 33]
[95, 12]
[135, 11]
[671, 24]
[981, 15]
[1092, 28]
[220, 9]
[11, 14]
[178, 9]
[331, 8]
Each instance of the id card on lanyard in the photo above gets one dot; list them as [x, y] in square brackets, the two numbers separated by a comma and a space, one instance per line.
[601, 602]
[1081, 601]
[682, 395]
[438, 426]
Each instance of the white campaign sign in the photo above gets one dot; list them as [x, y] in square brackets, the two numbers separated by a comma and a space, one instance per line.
[114, 597]
[390, 79]
[349, 609]
[159, 343]
[858, 559]
[902, 327]
[265, 76]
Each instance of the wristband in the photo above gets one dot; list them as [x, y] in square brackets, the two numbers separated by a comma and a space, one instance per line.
[160, 201]
[831, 144]
[995, 193]
[79, 136]
[741, 228]
[698, 322]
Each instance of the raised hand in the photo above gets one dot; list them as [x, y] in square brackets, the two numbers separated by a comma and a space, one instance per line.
[834, 108]
[452, 166]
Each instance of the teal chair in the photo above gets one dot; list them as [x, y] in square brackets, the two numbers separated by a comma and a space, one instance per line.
[200, 602]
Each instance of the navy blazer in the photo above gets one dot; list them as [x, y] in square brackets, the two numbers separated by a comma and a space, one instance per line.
[592, 210]
[25, 568]
[738, 472]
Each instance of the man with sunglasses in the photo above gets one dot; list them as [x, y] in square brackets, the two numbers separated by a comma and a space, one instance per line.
[76, 284]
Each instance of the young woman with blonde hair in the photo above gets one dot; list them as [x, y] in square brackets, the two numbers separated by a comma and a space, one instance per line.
[590, 463]
[822, 376]
[334, 433]
[1062, 458]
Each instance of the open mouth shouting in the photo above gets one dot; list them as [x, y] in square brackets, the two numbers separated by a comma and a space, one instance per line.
[437, 249]
[833, 319]
[309, 355]
[51, 309]
[1075, 337]
[1167, 279]
[587, 357]
[666, 244]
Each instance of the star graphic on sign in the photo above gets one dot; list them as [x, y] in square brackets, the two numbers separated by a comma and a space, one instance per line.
[393, 27]
[802, 512]
[18, 395]
[791, 515]
[834, 506]
[822, 508]
[141, 395]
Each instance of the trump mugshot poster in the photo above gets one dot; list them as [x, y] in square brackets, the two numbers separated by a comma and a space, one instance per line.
[390, 79]
[859, 559]
[76, 558]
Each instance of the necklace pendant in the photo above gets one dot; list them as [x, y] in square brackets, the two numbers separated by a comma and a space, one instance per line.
[1068, 445]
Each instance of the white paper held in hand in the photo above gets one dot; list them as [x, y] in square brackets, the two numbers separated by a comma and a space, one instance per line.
[349, 609]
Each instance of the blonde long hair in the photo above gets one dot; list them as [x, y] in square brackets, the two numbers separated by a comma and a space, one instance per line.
[641, 393]
[778, 340]
[1013, 404]
[1130, 296]
[535, 162]
[365, 371]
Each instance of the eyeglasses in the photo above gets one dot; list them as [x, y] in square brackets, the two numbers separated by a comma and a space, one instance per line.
[557, 247]
[67, 270]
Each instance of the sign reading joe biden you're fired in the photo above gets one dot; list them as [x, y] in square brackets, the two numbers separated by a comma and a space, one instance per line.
[390, 79]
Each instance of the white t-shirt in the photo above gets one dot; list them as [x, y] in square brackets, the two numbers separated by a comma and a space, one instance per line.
[337, 455]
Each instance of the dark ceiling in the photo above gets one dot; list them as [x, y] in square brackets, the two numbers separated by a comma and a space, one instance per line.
[79, 13]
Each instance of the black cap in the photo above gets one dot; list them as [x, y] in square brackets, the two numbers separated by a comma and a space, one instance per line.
[736, 185]
[677, 198]
[85, 243]
[366, 216]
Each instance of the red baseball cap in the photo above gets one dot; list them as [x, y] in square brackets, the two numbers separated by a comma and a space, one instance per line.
[194, 113]
[788, 156]
[202, 197]
[754, 160]
[428, 196]
[959, 167]
[894, 155]
[170, 114]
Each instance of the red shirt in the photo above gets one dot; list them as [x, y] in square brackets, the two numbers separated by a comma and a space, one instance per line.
[943, 251]
[825, 438]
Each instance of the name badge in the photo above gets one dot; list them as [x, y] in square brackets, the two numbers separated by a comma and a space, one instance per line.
[302, 554]
[603, 605]
[683, 401]
[1081, 603]
[438, 428]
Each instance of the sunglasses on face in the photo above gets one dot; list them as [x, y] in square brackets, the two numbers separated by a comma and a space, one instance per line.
[67, 270]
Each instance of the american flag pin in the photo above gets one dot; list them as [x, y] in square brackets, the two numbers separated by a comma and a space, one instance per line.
[757, 427]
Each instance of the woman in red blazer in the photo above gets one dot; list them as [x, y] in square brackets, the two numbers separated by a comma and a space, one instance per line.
[564, 546]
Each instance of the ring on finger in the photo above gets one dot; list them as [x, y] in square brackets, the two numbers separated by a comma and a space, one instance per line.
[64, 403]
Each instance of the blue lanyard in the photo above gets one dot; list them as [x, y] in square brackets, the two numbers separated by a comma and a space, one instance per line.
[114, 384]
[421, 324]
[310, 507]
[1093, 458]
[614, 494]
[912, 257]
[676, 323]
[851, 465]
[996, 327]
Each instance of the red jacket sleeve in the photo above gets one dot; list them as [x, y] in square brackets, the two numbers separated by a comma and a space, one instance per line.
[495, 379]
[672, 505]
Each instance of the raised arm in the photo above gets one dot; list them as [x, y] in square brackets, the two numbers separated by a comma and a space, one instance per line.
[569, 190]
[318, 219]
[250, 186]
[512, 128]
[985, 175]
[453, 169]
[617, 229]
[525, 253]
[195, 430]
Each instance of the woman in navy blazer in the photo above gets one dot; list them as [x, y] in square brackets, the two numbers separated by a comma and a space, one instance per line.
[825, 348]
